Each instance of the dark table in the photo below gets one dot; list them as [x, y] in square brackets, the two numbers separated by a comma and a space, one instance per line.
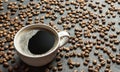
[99, 9]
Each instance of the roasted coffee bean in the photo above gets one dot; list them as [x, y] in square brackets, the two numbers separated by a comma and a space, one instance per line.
[71, 66]
[116, 42]
[96, 23]
[67, 55]
[82, 71]
[90, 69]
[13, 60]
[16, 66]
[108, 61]
[108, 66]
[105, 38]
[97, 47]
[98, 66]
[113, 28]
[54, 69]
[90, 66]
[5, 64]
[78, 54]
[75, 71]
[60, 68]
[85, 63]
[61, 54]
[106, 70]
[67, 49]
[77, 64]
[111, 40]
[10, 69]
[1, 60]
[1, 8]
[5, 1]
[69, 61]
[59, 63]
[87, 60]
[47, 70]
[113, 60]
[94, 62]
[102, 35]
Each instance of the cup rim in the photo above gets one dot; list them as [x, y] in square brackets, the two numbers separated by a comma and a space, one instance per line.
[36, 55]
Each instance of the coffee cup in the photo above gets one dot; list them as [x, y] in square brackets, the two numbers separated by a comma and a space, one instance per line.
[23, 36]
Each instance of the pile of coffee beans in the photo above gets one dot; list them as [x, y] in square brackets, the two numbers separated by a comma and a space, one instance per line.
[94, 27]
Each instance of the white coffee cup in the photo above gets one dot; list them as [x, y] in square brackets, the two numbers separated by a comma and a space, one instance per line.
[38, 59]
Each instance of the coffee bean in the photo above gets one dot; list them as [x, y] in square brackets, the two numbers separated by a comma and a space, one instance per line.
[94, 62]
[108, 66]
[77, 64]
[97, 47]
[113, 28]
[82, 71]
[59, 64]
[90, 69]
[61, 54]
[75, 71]
[47, 70]
[78, 54]
[54, 69]
[10, 69]
[26, 69]
[90, 66]
[86, 54]
[106, 70]
[1, 60]
[102, 35]
[85, 63]
[116, 42]
[87, 60]
[60, 68]
[71, 66]
[114, 48]
[13, 60]
[67, 49]
[69, 61]
[72, 17]
[108, 61]
[67, 55]
[58, 58]
[113, 60]
[5, 64]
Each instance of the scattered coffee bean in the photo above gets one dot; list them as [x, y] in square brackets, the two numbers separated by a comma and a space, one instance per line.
[60, 68]
[10, 69]
[54, 69]
[75, 71]
[108, 66]
[113, 60]
[58, 58]
[96, 23]
[71, 66]
[5, 64]
[85, 63]
[94, 62]
[77, 64]
[47, 70]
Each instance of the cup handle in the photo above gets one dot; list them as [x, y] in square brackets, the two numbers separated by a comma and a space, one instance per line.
[64, 37]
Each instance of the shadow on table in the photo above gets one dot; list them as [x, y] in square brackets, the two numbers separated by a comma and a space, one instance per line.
[23, 67]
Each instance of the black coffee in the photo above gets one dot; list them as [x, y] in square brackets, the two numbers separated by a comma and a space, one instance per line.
[41, 42]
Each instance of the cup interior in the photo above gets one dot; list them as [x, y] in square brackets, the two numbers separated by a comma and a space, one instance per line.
[23, 35]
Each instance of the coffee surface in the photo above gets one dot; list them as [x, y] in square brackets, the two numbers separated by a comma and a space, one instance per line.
[41, 42]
